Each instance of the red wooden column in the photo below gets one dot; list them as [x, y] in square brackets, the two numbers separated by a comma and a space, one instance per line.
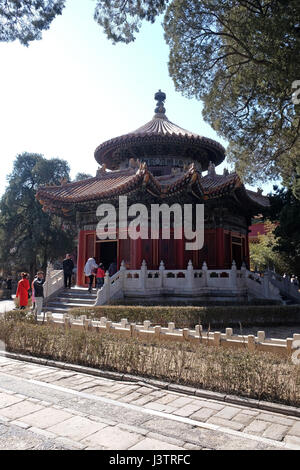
[247, 250]
[180, 245]
[220, 258]
[80, 258]
[136, 253]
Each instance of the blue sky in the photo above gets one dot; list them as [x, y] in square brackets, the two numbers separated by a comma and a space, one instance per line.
[64, 95]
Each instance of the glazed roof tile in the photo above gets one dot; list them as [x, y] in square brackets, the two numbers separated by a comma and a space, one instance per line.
[112, 184]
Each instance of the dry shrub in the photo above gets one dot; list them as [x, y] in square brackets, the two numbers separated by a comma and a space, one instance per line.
[257, 375]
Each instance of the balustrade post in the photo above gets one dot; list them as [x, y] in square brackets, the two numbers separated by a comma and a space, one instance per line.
[123, 274]
[190, 276]
[243, 275]
[161, 273]
[204, 274]
[233, 275]
[143, 276]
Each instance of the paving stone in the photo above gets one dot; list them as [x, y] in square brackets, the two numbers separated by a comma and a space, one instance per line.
[169, 409]
[187, 410]
[168, 439]
[228, 412]
[131, 428]
[47, 417]
[243, 418]
[203, 414]
[155, 406]
[168, 427]
[189, 446]
[154, 444]
[276, 432]
[7, 400]
[76, 428]
[275, 418]
[251, 412]
[165, 399]
[142, 400]
[181, 401]
[69, 444]
[257, 427]
[20, 424]
[113, 438]
[226, 423]
[160, 394]
[42, 432]
[19, 410]
[209, 404]
[294, 430]
[145, 390]
[131, 397]
[83, 386]
[294, 440]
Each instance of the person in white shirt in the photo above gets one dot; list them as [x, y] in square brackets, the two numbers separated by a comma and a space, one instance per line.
[89, 268]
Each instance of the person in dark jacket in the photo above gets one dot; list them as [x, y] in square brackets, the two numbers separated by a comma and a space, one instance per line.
[38, 286]
[68, 267]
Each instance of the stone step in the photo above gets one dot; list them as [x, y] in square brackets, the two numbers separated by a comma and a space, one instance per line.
[76, 300]
[58, 304]
[60, 310]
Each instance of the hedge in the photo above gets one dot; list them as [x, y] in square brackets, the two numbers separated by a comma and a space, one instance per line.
[188, 317]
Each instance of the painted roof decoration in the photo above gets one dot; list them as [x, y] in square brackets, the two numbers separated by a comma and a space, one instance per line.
[112, 184]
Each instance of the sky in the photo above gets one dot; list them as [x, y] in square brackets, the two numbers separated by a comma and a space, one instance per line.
[66, 94]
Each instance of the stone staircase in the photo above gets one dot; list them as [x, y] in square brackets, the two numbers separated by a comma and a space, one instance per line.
[70, 298]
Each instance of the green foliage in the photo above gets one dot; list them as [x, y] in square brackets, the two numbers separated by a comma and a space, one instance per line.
[30, 237]
[82, 176]
[188, 317]
[26, 19]
[285, 209]
[239, 57]
[263, 254]
[252, 374]
[122, 19]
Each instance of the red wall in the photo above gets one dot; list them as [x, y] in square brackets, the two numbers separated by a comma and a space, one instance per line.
[219, 248]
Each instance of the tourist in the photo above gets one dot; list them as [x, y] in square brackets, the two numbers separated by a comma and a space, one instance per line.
[100, 276]
[112, 268]
[89, 269]
[68, 266]
[9, 286]
[33, 296]
[38, 290]
[22, 291]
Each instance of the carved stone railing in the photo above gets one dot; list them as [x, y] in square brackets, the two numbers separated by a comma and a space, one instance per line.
[54, 281]
[146, 331]
[285, 286]
[148, 282]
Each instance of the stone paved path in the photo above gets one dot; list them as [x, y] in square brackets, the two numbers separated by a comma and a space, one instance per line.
[43, 407]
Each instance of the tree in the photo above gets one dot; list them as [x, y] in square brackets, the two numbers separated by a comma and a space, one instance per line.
[29, 236]
[82, 176]
[263, 254]
[240, 58]
[26, 19]
[285, 209]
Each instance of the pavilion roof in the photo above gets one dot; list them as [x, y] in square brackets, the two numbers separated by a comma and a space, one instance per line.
[160, 137]
[108, 185]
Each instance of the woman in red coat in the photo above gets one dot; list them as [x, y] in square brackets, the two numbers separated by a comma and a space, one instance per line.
[22, 291]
